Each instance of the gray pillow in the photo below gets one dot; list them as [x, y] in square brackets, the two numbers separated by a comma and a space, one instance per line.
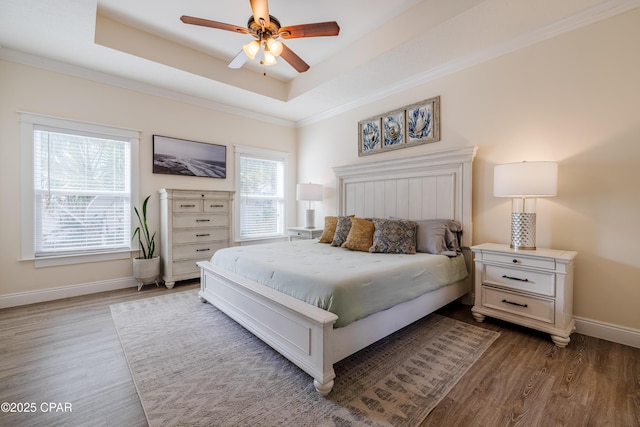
[439, 236]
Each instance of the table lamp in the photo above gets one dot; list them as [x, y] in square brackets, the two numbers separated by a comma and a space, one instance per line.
[309, 192]
[524, 182]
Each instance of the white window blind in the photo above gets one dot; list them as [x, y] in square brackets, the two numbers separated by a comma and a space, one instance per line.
[261, 196]
[82, 192]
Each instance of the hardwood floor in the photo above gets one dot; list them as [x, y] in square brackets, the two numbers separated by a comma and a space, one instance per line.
[68, 351]
[523, 379]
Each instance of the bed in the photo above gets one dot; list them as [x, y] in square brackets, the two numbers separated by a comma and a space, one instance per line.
[422, 187]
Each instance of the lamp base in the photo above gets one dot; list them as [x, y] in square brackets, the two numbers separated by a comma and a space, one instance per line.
[310, 219]
[523, 230]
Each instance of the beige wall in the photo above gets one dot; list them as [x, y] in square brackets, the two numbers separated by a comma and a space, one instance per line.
[34, 90]
[574, 99]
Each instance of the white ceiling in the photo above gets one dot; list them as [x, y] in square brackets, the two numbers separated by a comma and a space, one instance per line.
[383, 46]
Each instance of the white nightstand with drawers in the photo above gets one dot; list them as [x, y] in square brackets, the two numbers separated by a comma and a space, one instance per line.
[301, 233]
[532, 288]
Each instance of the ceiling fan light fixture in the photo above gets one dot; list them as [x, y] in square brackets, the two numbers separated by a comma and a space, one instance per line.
[251, 49]
[275, 47]
[266, 29]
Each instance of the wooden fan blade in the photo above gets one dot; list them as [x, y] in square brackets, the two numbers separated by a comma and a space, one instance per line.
[213, 24]
[260, 9]
[319, 29]
[294, 60]
[239, 60]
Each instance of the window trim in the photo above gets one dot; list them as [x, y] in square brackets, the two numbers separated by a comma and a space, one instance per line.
[263, 154]
[28, 122]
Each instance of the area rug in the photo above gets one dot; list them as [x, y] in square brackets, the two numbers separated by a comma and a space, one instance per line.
[193, 365]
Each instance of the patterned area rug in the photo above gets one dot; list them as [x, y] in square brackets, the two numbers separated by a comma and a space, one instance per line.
[192, 365]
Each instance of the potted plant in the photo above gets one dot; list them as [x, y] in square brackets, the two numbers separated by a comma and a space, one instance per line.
[146, 267]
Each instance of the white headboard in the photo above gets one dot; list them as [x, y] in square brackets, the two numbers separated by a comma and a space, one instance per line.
[424, 186]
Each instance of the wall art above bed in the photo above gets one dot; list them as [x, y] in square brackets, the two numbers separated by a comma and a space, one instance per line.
[415, 124]
[188, 158]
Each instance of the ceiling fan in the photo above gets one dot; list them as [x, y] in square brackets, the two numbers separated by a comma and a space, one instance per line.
[266, 30]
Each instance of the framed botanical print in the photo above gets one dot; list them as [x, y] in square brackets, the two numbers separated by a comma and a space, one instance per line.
[369, 136]
[393, 129]
[415, 124]
[423, 121]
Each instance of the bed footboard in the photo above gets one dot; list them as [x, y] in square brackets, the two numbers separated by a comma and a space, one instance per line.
[295, 329]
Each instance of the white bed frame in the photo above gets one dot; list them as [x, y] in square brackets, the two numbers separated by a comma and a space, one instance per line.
[432, 185]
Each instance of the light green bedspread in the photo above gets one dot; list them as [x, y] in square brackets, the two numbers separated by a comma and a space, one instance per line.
[348, 283]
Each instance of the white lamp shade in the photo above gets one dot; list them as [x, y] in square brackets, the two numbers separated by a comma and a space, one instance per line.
[311, 192]
[251, 49]
[268, 59]
[525, 179]
[275, 47]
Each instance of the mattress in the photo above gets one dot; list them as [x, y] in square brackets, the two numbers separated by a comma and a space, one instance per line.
[350, 284]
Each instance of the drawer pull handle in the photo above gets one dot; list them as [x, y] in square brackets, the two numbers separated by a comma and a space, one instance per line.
[203, 220]
[514, 303]
[216, 206]
[203, 235]
[504, 276]
[187, 206]
[515, 261]
[203, 250]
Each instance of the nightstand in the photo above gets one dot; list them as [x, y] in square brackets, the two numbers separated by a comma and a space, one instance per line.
[301, 233]
[532, 288]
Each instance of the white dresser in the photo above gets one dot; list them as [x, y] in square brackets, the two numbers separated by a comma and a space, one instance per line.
[193, 225]
[533, 288]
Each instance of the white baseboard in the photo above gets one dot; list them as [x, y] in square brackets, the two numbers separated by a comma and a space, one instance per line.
[609, 332]
[32, 297]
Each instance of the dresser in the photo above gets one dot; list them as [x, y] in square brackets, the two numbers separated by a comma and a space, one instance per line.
[301, 233]
[193, 226]
[532, 288]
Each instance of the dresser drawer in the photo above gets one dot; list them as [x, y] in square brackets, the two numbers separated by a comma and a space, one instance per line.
[216, 206]
[182, 236]
[198, 250]
[187, 206]
[522, 305]
[538, 282]
[202, 220]
[523, 261]
[187, 267]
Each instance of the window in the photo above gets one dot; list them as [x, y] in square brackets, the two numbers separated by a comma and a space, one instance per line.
[260, 201]
[79, 194]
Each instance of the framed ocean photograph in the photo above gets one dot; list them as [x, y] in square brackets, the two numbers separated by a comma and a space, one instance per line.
[393, 129]
[423, 121]
[369, 136]
[188, 158]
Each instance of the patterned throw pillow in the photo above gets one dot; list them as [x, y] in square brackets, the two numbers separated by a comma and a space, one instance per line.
[360, 236]
[330, 223]
[394, 236]
[342, 230]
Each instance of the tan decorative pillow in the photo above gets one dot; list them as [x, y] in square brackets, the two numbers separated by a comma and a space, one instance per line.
[360, 236]
[330, 223]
